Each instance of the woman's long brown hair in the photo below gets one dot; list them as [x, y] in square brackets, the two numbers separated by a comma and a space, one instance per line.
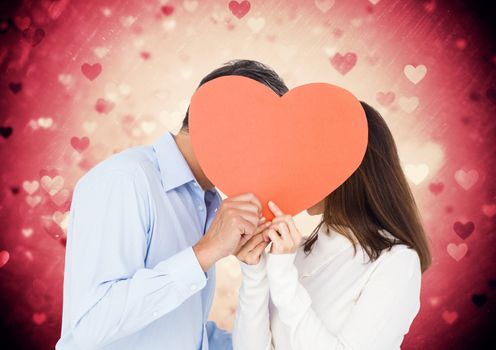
[376, 197]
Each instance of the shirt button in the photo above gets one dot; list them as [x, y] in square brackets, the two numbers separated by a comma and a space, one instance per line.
[200, 207]
[193, 287]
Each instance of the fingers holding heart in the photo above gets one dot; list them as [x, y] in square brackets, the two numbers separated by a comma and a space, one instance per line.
[290, 225]
[282, 238]
[275, 209]
[260, 230]
[283, 232]
[275, 238]
[252, 250]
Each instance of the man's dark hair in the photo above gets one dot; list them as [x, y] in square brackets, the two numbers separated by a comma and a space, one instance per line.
[247, 68]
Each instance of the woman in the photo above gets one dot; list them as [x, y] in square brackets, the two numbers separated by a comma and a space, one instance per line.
[354, 283]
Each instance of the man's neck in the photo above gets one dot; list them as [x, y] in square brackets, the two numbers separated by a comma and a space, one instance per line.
[184, 144]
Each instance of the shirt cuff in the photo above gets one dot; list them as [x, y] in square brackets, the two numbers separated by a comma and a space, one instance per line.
[186, 269]
[287, 293]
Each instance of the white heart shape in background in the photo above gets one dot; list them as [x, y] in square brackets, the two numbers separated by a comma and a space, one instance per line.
[256, 24]
[52, 185]
[466, 179]
[408, 104]
[100, 52]
[457, 252]
[89, 127]
[45, 122]
[416, 172]
[62, 219]
[421, 160]
[324, 5]
[415, 74]
[30, 186]
[190, 5]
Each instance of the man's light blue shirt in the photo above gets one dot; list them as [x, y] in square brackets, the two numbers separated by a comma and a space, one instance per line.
[132, 280]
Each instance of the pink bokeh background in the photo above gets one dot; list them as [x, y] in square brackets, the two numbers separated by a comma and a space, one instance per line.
[81, 80]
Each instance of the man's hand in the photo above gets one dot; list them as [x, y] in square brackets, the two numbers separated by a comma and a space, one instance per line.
[237, 218]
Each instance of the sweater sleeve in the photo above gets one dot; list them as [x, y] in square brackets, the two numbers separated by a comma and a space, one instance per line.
[252, 326]
[381, 317]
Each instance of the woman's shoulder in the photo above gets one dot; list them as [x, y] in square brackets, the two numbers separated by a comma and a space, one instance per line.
[399, 259]
[399, 252]
[398, 247]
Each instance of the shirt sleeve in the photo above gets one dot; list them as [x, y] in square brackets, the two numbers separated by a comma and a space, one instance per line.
[381, 317]
[112, 294]
[218, 339]
[252, 325]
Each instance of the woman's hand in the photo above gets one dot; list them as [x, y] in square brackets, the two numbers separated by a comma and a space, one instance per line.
[251, 251]
[283, 233]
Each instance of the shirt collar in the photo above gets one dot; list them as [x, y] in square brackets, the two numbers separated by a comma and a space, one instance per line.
[174, 169]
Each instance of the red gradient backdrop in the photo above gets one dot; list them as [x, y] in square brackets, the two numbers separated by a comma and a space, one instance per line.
[81, 80]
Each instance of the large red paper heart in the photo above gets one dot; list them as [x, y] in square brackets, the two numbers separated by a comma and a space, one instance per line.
[293, 150]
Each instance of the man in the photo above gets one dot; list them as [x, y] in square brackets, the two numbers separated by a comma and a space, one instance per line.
[146, 228]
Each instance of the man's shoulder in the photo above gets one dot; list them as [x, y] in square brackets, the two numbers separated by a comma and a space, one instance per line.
[132, 162]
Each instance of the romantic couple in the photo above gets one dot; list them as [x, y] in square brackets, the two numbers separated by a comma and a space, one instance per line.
[147, 226]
